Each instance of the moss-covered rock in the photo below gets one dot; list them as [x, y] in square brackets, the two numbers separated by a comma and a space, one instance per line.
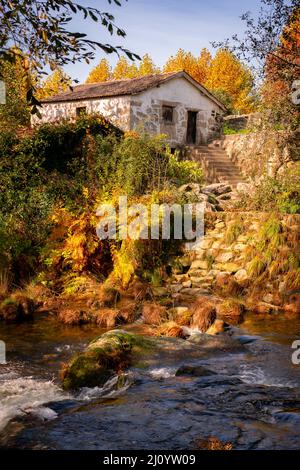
[103, 357]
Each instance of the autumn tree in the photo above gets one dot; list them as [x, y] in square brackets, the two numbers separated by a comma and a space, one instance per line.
[281, 72]
[100, 73]
[182, 61]
[40, 30]
[147, 66]
[204, 63]
[16, 111]
[197, 67]
[271, 43]
[229, 76]
[124, 69]
[56, 83]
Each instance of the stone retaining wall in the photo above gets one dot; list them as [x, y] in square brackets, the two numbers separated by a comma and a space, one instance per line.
[223, 262]
[261, 153]
[240, 122]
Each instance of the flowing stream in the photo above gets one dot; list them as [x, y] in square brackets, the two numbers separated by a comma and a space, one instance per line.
[252, 400]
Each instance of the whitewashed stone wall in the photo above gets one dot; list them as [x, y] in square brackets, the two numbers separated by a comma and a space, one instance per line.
[116, 110]
[144, 111]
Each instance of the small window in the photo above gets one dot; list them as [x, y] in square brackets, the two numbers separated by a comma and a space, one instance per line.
[167, 113]
[81, 111]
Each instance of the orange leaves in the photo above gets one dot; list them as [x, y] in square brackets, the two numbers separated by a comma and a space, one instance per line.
[196, 67]
[222, 73]
[274, 91]
[73, 241]
[291, 35]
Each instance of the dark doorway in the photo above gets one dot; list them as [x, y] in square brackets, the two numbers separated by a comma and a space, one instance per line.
[191, 127]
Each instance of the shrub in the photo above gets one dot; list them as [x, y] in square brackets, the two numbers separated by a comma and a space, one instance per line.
[141, 164]
[233, 231]
[51, 183]
[227, 130]
[280, 193]
[274, 251]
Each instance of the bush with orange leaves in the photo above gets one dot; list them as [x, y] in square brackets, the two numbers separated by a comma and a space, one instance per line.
[74, 251]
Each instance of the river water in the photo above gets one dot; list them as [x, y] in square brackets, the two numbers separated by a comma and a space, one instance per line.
[252, 400]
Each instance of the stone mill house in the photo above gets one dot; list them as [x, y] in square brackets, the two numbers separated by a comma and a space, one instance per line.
[171, 103]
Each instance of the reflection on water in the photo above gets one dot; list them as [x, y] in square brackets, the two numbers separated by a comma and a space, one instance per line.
[277, 328]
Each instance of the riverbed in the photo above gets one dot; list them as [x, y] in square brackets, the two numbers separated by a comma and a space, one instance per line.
[251, 400]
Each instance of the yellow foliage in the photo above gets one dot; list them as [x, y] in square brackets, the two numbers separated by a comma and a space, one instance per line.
[187, 62]
[204, 63]
[147, 66]
[73, 240]
[100, 73]
[56, 83]
[132, 135]
[124, 70]
[229, 75]
[125, 262]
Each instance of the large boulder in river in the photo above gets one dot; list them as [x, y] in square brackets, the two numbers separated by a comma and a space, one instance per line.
[215, 343]
[103, 357]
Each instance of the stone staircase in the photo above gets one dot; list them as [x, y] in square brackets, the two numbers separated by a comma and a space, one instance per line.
[218, 168]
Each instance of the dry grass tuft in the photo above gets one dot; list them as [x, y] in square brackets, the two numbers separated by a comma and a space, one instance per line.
[154, 314]
[170, 329]
[204, 314]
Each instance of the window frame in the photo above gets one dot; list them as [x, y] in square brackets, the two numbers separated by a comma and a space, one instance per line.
[81, 111]
[167, 108]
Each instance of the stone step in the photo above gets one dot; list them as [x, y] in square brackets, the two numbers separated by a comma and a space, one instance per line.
[224, 167]
[216, 163]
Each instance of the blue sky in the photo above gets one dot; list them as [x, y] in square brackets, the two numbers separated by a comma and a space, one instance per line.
[161, 27]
